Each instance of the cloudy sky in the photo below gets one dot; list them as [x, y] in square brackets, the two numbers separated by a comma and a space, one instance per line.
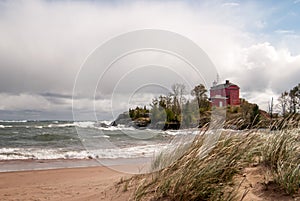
[44, 44]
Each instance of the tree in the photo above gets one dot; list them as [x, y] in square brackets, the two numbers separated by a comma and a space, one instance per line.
[178, 91]
[157, 112]
[289, 101]
[171, 107]
[294, 99]
[187, 115]
[283, 102]
[162, 101]
[199, 92]
[270, 108]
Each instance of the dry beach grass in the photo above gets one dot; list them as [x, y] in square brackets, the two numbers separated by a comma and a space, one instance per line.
[252, 165]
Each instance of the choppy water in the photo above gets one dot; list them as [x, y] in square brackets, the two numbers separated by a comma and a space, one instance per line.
[60, 140]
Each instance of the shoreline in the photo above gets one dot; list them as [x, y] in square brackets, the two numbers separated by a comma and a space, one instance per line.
[48, 164]
[118, 164]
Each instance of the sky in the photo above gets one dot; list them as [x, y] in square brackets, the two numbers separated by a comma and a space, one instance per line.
[45, 43]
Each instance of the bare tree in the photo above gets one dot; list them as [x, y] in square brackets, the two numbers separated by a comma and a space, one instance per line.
[283, 102]
[270, 108]
[178, 91]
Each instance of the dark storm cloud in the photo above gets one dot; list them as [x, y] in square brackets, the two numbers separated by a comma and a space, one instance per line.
[35, 115]
[56, 95]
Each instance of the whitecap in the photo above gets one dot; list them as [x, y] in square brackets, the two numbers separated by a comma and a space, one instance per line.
[14, 121]
[61, 125]
[84, 124]
[44, 154]
[39, 127]
[6, 126]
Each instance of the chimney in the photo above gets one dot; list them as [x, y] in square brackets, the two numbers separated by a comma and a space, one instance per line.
[227, 82]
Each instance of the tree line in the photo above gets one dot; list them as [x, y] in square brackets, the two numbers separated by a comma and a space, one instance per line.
[175, 109]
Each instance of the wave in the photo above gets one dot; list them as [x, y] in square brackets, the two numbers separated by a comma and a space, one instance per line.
[14, 121]
[129, 152]
[5, 126]
[44, 154]
[101, 136]
[105, 122]
[61, 125]
[39, 127]
[183, 132]
[115, 128]
[100, 125]
[84, 124]
[81, 124]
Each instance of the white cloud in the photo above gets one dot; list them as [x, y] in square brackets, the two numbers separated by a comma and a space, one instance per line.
[230, 4]
[282, 31]
[265, 72]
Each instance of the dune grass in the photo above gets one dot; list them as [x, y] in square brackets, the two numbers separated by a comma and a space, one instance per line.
[191, 177]
[281, 154]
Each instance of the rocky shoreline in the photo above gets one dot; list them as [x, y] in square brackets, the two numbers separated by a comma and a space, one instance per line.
[144, 122]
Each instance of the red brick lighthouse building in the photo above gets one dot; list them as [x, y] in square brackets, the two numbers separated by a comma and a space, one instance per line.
[225, 94]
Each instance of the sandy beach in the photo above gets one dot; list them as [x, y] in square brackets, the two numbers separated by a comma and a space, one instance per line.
[85, 183]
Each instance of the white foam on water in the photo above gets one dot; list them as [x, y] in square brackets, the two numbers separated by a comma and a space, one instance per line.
[182, 132]
[84, 124]
[101, 136]
[44, 154]
[14, 121]
[106, 122]
[79, 124]
[61, 125]
[116, 128]
[6, 126]
[34, 153]
[129, 152]
[39, 127]
[97, 125]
